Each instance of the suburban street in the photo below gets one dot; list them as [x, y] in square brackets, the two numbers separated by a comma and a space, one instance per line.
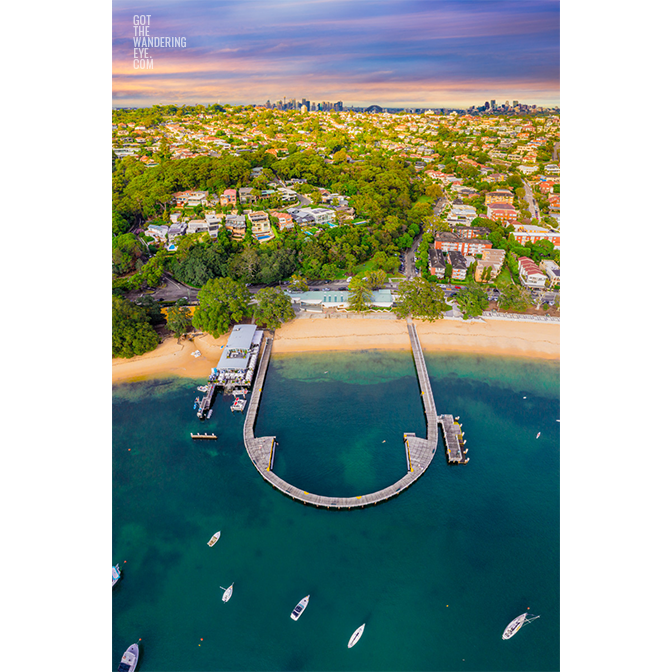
[532, 203]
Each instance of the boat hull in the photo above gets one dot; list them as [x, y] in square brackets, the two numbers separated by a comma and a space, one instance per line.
[300, 608]
[129, 660]
[356, 635]
[513, 627]
[214, 539]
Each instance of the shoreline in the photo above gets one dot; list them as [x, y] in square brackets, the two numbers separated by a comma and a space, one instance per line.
[505, 338]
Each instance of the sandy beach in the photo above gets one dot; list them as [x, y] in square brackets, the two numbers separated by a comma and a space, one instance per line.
[492, 337]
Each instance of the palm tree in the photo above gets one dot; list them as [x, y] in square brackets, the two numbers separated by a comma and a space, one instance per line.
[360, 295]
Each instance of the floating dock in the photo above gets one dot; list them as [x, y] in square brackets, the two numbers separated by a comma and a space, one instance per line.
[454, 440]
[419, 451]
[203, 436]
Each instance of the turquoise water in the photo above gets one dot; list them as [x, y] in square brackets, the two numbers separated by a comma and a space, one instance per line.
[482, 538]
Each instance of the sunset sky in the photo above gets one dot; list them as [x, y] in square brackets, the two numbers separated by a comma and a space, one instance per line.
[396, 53]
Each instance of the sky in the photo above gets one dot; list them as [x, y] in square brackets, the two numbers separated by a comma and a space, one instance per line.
[394, 53]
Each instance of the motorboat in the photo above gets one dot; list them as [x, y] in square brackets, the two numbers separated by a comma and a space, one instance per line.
[516, 624]
[227, 593]
[356, 636]
[298, 609]
[214, 539]
[116, 574]
[239, 404]
[130, 659]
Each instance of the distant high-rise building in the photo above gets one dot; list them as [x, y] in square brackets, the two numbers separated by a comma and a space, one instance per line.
[487, 105]
[339, 106]
[515, 103]
[493, 104]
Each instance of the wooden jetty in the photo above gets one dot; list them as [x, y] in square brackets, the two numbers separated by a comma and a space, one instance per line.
[419, 451]
[454, 440]
[203, 436]
[206, 402]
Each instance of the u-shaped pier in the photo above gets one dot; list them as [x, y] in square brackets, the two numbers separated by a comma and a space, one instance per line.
[419, 451]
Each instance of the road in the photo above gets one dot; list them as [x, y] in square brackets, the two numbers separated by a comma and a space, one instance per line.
[531, 202]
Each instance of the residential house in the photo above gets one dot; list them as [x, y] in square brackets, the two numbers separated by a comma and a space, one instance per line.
[524, 233]
[197, 226]
[552, 271]
[448, 241]
[493, 259]
[552, 169]
[461, 214]
[499, 196]
[285, 221]
[546, 187]
[261, 225]
[304, 216]
[530, 274]
[237, 225]
[157, 231]
[176, 229]
[245, 194]
[464, 192]
[190, 198]
[228, 197]
[528, 170]
[437, 264]
[471, 231]
[503, 212]
[459, 265]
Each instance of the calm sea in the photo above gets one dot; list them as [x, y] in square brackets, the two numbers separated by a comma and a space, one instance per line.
[436, 574]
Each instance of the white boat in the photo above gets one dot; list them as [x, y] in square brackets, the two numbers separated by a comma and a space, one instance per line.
[516, 624]
[116, 574]
[130, 659]
[298, 609]
[538, 434]
[202, 388]
[227, 593]
[356, 635]
[238, 404]
[214, 539]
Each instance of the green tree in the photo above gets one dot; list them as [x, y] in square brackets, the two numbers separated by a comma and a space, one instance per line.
[223, 302]
[297, 283]
[472, 301]
[360, 295]
[178, 320]
[513, 297]
[376, 278]
[273, 307]
[132, 333]
[420, 298]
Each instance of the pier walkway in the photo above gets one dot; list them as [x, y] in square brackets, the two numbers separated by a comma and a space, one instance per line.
[419, 451]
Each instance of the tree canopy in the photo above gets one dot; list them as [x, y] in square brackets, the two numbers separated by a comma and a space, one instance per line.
[273, 307]
[472, 301]
[223, 302]
[420, 298]
[132, 333]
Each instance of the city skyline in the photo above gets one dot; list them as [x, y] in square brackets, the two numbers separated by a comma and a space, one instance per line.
[400, 54]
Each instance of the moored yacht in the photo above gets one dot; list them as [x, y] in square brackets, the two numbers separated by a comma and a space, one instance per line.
[116, 574]
[356, 635]
[214, 538]
[298, 609]
[227, 593]
[516, 624]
